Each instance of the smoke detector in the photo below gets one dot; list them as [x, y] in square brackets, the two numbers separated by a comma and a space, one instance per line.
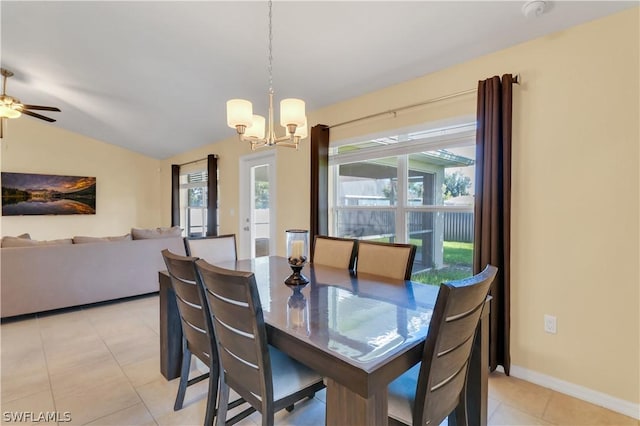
[534, 8]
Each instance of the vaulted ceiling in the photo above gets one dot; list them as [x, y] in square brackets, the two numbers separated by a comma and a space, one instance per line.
[154, 77]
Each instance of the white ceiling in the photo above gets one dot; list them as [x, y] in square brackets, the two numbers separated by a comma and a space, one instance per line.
[154, 77]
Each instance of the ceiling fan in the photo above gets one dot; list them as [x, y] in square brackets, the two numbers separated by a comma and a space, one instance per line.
[11, 107]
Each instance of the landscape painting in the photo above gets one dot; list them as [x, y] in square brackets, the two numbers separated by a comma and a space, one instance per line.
[35, 194]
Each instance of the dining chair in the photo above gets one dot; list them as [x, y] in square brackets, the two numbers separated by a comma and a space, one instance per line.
[435, 387]
[213, 249]
[336, 252]
[391, 260]
[266, 378]
[197, 329]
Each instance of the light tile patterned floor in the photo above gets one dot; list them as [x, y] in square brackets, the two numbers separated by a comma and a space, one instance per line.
[102, 365]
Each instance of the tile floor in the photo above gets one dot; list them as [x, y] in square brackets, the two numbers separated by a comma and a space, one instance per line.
[101, 365]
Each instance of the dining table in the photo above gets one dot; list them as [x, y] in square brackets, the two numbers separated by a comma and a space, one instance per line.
[359, 331]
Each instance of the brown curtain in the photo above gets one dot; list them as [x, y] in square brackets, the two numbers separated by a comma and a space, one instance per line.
[319, 221]
[175, 195]
[492, 232]
[212, 195]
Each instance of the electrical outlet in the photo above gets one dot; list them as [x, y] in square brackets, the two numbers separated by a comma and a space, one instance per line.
[550, 324]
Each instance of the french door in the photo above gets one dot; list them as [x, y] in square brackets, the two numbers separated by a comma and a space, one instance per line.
[257, 205]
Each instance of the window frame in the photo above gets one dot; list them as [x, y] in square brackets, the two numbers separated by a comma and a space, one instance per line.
[462, 133]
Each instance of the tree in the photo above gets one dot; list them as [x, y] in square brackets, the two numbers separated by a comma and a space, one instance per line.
[455, 185]
[262, 195]
[196, 197]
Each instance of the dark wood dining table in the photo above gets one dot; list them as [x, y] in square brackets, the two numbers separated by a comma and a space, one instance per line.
[359, 331]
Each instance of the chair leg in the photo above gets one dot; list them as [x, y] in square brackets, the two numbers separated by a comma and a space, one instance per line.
[184, 377]
[461, 410]
[268, 418]
[212, 397]
[223, 400]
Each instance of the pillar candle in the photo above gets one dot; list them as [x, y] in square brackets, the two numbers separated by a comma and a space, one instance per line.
[297, 248]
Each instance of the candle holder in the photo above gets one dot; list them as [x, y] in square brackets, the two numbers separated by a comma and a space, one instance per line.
[298, 312]
[297, 255]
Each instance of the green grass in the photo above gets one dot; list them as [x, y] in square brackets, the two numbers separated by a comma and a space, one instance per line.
[456, 253]
[458, 260]
[438, 276]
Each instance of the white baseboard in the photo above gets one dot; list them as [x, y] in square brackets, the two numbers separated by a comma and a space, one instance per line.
[598, 398]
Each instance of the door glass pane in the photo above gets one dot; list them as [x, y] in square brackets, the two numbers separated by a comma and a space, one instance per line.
[261, 203]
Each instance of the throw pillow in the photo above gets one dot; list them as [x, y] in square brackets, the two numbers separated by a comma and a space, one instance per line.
[146, 234]
[9, 239]
[23, 242]
[84, 240]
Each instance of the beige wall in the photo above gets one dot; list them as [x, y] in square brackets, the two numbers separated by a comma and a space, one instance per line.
[127, 183]
[292, 167]
[575, 192]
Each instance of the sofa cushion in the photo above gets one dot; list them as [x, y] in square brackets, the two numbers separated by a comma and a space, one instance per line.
[84, 240]
[151, 233]
[24, 242]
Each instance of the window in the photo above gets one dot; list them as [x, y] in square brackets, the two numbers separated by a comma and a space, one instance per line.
[414, 187]
[193, 203]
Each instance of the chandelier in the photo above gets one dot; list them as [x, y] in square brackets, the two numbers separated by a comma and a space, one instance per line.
[251, 128]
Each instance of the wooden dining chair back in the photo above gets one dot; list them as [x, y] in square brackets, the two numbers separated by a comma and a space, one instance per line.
[435, 387]
[389, 260]
[336, 252]
[266, 378]
[197, 329]
[213, 249]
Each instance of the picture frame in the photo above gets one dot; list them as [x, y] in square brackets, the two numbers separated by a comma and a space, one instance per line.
[42, 194]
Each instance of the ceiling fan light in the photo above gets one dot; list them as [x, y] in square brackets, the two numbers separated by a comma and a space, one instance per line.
[292, 111]
[239, 113]
[8, 112]
[256, 129]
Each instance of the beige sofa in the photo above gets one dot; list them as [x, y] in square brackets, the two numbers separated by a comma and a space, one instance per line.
[44, 277]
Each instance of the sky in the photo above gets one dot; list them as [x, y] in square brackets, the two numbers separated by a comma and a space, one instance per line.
[29, 181]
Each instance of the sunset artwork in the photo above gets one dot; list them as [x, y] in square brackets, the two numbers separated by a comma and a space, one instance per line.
[35, 194]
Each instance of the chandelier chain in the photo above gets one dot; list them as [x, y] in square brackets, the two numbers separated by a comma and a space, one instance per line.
[270, 49]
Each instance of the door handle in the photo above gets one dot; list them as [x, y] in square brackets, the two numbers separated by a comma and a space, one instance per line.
[246, 228]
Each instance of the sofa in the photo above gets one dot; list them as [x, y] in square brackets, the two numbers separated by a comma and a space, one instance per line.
[42, 277]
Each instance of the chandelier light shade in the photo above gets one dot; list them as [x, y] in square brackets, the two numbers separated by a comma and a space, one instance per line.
[239, 113]
[252, 128]
[302, 132]
[256, 128]
[292, 112]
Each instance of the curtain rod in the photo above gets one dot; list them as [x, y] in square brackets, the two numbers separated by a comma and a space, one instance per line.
[516, 80]
[196, 161]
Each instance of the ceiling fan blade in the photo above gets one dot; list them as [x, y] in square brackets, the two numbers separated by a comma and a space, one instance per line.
[39, 107]
[41, 117]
